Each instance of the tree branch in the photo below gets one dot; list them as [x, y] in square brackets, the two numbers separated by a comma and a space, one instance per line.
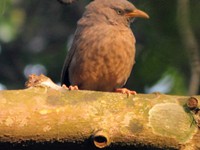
[50, 116]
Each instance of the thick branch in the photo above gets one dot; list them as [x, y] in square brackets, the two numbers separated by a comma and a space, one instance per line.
[88, 119]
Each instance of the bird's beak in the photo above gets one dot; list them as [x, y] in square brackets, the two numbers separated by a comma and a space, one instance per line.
[137, 13]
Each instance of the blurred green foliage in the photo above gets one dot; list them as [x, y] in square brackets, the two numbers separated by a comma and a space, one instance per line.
[38, 32]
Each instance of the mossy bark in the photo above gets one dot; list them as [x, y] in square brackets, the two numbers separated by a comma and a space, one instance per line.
[82, 119]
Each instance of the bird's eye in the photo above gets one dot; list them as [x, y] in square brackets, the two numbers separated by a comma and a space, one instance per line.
[119, 11]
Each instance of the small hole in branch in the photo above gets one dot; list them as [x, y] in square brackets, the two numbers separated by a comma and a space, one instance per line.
[101, 139]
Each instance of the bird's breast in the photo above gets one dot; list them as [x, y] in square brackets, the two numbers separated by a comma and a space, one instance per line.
[104, 59]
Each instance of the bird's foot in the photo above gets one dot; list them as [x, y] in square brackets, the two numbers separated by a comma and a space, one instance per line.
[74, 87]
[125, 91]
[65, 87]
[71, 88]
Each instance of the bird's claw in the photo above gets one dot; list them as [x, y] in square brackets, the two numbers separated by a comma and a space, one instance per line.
[65, 87]
[75, 87]
[71, 88]
[125, 91]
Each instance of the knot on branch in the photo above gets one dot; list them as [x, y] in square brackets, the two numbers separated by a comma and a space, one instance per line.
[192, 104]
[101, 139]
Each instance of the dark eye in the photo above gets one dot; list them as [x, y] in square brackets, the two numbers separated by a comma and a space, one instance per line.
[119, 11]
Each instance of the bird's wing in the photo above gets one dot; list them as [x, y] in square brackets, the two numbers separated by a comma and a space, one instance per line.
[65, 69]
[64, 74]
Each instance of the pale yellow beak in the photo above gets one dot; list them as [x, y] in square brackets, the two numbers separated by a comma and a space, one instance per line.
[137, 13]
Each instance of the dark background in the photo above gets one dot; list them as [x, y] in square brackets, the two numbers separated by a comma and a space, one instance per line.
[35, 36]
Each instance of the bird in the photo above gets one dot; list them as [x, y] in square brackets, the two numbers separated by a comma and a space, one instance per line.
[102, 53]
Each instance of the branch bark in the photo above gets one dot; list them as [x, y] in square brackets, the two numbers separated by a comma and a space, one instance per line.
[46, 116]
[191, 45]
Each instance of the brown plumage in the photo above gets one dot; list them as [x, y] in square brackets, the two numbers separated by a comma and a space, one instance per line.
[103, 50]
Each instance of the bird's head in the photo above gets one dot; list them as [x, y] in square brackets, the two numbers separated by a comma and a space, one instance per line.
[115, 12]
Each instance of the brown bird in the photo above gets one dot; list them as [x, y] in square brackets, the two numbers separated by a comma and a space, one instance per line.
[103, 50]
